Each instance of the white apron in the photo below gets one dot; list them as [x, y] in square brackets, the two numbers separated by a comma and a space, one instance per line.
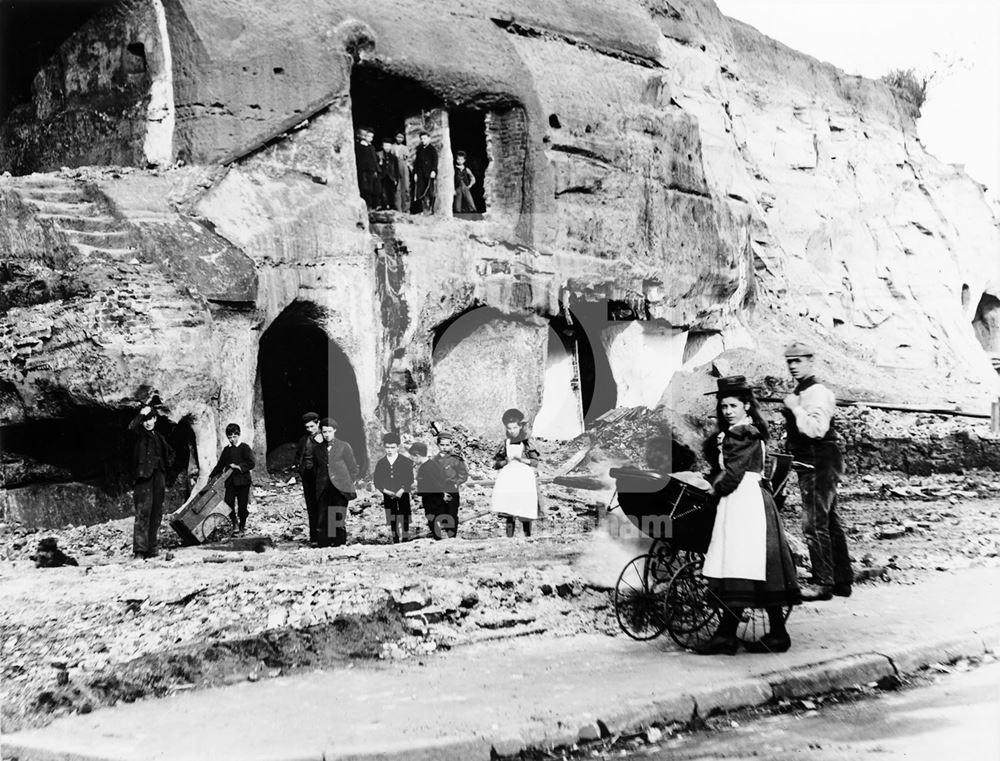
[514, 492]
[738, 549]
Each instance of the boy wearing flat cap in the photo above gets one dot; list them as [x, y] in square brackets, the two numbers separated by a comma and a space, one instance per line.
[812, 439]
[393, 477]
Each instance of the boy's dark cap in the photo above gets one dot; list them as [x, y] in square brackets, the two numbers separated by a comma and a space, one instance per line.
[460, 153]
[151, 415]
[309, 417]
[418, 448]
[513, 415]
[328, 422]
[390, 438]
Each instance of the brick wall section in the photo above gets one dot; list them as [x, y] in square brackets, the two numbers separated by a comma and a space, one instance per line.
[507, 147]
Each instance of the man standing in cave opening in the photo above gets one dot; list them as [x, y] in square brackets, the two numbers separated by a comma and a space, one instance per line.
[152, 456]
[367, 164]
[425, 175]
[812, 440]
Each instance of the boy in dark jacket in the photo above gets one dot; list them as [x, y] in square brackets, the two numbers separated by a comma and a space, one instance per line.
[393, 477]
[238, 460]
[431, 485]
[305, 464]
[336, 471]
[151, 457]
[455, 474]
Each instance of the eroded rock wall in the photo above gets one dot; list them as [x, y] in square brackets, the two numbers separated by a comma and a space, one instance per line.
[661, 184]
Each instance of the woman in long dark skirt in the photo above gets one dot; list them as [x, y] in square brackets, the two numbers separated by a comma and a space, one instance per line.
[748, 563]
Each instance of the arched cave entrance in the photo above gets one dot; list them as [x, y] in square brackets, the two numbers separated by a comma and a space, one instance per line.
[467, 130]
[598, 388]
[301, 370]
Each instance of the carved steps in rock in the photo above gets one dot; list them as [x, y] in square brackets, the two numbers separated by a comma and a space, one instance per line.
[76, 208]
[106, 239]
[99, 223]
[55, 194]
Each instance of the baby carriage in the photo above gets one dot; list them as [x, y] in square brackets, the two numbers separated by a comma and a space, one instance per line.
[663, 589]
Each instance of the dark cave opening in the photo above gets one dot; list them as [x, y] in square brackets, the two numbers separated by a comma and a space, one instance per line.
[383, 101]
[89, 445]
[598, 389]
[467, 129]
[30, 33]
[302, 370]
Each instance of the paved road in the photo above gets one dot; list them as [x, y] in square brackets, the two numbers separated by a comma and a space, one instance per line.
[954, 718]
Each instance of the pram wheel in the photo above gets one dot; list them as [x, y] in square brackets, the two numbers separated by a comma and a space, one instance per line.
[692, 611]
[691, 618]
[639, 598]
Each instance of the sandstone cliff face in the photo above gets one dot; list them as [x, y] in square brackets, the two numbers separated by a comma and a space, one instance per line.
[661, 184]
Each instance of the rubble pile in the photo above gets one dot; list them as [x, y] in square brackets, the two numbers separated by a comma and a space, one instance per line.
[915, 443]
[73, 639]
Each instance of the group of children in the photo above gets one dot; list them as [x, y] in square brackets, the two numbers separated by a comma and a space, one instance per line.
[384, 177]
[328, 469]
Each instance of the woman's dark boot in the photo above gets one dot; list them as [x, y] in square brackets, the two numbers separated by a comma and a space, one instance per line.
[777, 639]
[724, 641]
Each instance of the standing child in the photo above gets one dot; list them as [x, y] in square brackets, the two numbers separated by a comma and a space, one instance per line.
[464, 180]
[336, 471]
[238, 460]
[393, 477]
[431, 486]
[455, 474]
[306, 465]
[515, 494]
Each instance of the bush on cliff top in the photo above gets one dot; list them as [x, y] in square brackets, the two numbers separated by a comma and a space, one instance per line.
[909, 84]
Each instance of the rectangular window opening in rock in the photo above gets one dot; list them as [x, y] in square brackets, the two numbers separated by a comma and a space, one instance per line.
[390, 105]
[467, 128]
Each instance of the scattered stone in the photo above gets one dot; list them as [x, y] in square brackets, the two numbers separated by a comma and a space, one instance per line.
[590, 731]
[894, 532]
[889, 682]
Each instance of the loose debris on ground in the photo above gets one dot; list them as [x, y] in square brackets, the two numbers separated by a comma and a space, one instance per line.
[113, 629]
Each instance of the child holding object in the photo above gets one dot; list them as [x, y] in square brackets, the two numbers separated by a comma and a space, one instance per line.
[515, 494]
[238, 460]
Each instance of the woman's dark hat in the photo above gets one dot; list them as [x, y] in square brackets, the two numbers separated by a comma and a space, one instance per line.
[513, 415]
[731, 385]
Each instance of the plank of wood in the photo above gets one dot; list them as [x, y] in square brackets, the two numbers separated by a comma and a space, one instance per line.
[895, 407]
[573, 461]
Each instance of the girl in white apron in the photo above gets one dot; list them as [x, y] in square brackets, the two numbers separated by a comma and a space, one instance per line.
[515, 494]
[748, 563]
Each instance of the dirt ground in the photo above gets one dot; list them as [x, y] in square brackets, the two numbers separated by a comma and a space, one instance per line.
[75, 638]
